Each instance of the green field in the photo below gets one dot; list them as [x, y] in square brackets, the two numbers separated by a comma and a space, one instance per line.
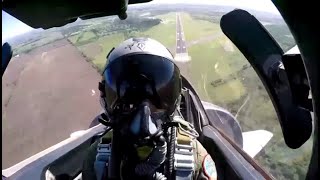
[46, 39]
[74, 38]
[86, 36]
[163, 32]
[195, 29]
[107, 43]
[83, 38]
[211, 62]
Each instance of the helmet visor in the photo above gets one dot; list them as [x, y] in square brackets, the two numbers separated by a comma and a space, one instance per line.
[137, 77]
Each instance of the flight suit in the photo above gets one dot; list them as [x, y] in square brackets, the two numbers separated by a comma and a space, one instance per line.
[204, 165]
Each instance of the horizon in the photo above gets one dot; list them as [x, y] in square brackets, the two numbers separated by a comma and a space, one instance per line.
[12, 27]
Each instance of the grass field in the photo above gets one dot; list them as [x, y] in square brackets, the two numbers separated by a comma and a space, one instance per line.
[163, 32]
[107, 43]
[82, 38]
[195, 29]
[74, 38]
[46, 39]
[210, 62]
[86, 36]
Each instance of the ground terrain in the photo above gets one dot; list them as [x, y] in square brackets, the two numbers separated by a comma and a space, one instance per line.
[46, 95]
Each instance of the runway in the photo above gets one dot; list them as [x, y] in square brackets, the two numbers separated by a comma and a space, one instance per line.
[181, 48]
[181, 41]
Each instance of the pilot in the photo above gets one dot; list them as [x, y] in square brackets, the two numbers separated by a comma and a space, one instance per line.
[140, 93]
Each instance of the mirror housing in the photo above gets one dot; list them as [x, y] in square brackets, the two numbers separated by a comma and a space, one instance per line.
[266, 57]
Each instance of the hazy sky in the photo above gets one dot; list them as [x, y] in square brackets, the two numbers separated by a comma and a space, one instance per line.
[12, 26]
[261, 5]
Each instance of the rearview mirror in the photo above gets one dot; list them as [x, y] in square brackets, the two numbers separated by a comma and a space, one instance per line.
[265, 56]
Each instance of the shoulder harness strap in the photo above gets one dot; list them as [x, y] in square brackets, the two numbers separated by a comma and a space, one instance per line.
[103, 156]
[184, 156]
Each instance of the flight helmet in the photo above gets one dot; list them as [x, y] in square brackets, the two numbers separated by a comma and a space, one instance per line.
[140, 69]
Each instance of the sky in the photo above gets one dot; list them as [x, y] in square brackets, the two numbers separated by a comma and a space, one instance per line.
[260, 5]
[12, 27]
